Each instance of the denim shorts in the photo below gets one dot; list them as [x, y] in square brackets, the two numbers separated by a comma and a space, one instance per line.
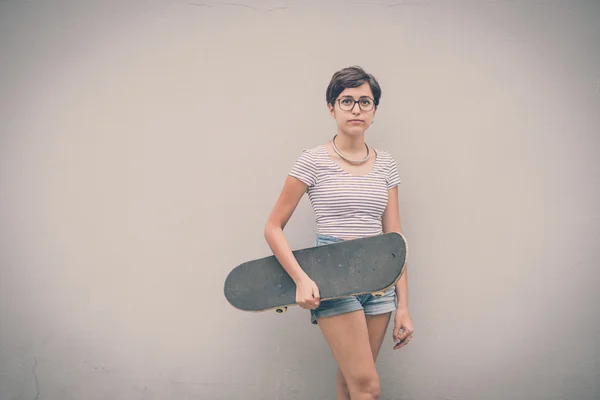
[370, 304]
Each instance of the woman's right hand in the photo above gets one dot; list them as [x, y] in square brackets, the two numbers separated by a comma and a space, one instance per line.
[307, 294]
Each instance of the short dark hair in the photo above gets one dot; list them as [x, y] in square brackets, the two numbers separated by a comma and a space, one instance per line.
[351, 77]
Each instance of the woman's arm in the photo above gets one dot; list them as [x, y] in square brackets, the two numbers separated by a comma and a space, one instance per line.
[307, 294]
[391, 223]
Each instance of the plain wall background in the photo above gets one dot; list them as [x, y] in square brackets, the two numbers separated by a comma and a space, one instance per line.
[143, 144]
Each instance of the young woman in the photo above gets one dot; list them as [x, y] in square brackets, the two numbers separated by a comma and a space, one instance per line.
[353, 190]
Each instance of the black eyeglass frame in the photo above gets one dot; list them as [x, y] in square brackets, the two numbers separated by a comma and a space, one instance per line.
[356, 101]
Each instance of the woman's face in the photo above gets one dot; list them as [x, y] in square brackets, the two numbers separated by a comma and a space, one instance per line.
[352, 117]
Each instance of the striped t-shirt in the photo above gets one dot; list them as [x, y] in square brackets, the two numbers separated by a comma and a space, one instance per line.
[346, 205]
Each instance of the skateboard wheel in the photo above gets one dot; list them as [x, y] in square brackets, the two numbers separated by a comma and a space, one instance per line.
[378, 294]
[281, 310]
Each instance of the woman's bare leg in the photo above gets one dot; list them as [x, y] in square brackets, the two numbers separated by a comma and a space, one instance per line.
[376, 326]
[349, 339]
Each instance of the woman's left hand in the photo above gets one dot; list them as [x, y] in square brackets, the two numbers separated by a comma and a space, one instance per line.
[404, 324]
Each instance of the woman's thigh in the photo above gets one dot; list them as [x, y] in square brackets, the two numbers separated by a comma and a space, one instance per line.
[377, 327]
[348, 338]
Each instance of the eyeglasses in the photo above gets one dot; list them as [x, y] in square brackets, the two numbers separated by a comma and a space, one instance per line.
[347, 103]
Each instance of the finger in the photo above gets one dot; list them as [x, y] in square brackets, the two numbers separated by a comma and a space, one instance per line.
[316, 299]
[402, 343]
[397, 334]
[308, 304]
[404, 339]
[407, 333]
[404, 335]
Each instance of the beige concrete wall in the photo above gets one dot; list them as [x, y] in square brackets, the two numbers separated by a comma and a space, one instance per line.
[144, 143]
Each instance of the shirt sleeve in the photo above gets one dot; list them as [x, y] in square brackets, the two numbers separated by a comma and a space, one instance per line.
[305, 169]
[393, 178]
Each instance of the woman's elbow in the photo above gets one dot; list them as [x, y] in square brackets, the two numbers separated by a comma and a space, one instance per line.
[270, 228]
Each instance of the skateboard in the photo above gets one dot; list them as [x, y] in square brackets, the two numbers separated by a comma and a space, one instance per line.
[358, 266]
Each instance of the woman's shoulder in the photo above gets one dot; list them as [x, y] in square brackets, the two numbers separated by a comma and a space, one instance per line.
[314, 150]
[384, 155]
[314, 153]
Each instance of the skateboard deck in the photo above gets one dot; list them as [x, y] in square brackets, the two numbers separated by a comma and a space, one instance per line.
[365, 265]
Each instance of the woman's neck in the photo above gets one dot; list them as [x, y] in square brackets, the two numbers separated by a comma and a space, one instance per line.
[350, 144]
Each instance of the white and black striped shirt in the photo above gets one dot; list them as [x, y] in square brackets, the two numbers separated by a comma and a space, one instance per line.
[346, 205]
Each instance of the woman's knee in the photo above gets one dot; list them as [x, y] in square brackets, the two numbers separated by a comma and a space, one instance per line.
[342, 386]
[367, 383]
